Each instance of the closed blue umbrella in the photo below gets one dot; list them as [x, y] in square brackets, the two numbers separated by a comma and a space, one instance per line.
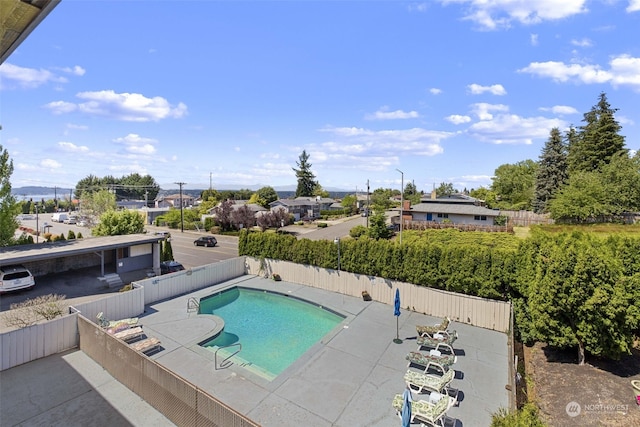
[406, 408]
[396, 312]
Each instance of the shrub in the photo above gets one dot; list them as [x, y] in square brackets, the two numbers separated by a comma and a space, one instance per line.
[526, 417]
[358, 231]
[31, 311]
[322, 225]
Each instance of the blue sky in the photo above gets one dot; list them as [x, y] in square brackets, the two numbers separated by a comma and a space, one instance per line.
[230, 93]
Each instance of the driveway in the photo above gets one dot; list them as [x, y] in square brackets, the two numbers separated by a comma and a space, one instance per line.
[338, 228]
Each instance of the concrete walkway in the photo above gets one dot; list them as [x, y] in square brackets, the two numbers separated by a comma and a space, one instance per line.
[347, 379]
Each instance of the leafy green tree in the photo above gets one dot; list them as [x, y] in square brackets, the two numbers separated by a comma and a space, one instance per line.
[117, 223]
[378, 227]
[580, 298]
[306, 178]
[242, 194]
[381, 199]
[138, 187]
[210, 194]
[597, 140]
[266, 195]
[514, 184]
[552, 171]
[9, 208]
[621, 178]
[445, 189]
[582, 199]
[95, 204]
[485, 194]
[318, 191]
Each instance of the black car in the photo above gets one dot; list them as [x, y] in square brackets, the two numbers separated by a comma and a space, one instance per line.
[170, 267]
[205, 241]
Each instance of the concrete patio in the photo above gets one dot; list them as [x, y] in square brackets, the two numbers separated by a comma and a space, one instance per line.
[349, 378]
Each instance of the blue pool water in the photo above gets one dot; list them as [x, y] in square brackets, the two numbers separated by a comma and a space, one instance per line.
[274, 329]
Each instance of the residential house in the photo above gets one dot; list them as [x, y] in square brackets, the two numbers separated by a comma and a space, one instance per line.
[173, 200]
[305, 208]
[457, 209]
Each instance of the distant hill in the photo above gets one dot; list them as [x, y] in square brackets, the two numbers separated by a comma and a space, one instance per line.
[39, 191]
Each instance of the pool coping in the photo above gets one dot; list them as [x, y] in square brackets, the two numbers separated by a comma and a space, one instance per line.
[349, 378]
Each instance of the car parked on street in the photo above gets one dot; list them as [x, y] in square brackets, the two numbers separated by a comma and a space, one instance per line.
[205, 241]
[167, 267]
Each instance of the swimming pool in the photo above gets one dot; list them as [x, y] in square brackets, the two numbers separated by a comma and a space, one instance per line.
[274, 329]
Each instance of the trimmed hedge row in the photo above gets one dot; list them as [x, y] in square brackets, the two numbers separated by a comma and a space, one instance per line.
[481, 265]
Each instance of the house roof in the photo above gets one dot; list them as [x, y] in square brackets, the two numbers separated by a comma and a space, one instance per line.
[18, 18]
[453, 208]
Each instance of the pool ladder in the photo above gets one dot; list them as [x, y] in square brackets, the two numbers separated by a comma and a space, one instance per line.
[226, 362]
[192, 305]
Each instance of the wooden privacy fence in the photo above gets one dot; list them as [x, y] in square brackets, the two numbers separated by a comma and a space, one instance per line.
[526, 218]
[476, 311]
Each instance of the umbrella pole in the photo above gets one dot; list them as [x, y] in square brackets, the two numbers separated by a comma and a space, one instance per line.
[397, 340]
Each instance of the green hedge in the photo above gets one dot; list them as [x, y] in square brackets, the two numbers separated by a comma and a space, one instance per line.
[476, 265]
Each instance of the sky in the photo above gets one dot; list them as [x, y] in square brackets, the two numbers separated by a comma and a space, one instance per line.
[228, 94]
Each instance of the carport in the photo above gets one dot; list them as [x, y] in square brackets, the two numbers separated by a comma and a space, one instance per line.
[119, 254]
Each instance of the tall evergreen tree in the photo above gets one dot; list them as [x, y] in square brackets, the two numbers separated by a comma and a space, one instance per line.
[552, 171]
[8, 207]
[598, 139]
[306, 178]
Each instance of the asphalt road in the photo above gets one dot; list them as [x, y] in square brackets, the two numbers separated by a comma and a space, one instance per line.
[84, 283]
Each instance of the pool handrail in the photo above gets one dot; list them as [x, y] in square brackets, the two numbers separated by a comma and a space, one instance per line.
[224, 363]
[193, 304]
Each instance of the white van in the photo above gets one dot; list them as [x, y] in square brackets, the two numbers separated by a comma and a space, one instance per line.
[59, 217]
[14, 277]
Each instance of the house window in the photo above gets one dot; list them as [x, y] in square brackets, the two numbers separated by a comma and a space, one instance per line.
[123, 252]
[477, 217]
[483, 218]
[441, 215]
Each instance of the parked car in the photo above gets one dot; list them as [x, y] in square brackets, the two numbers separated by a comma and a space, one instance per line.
[170, 267]
[71, 220]
[15, 277]
[205, 241]
[59, 217]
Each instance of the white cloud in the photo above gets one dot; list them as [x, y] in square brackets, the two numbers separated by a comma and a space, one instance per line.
[581, 43]
[493, 14]
[513, 129]
[435, 91]
[418, 7]
[75, 70]
[484, 111]
[624, 71]
[50, 164]
[135, 144]
[534, 39]
[634, 6]
[477, 89]
[61, 107]
[73, 148]
[383, 143]
[26, 78]
[457, 119]
[392, 115]
[560, 109]
[131, 107]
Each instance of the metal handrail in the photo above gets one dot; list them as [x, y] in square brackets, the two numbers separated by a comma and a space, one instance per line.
[192, 303]
[224, 363]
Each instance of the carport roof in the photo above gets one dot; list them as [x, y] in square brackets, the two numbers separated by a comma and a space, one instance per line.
[38, 252]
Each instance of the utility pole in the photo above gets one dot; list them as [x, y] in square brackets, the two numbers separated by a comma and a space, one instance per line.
[401, 200]
[210, 183]
[181, 214]
[368, 206]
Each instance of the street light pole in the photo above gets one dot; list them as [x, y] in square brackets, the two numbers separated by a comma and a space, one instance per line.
[401, 200]
[181, 214]
[337, 242]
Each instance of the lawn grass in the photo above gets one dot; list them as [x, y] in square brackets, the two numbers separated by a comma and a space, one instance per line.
[601, 229]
